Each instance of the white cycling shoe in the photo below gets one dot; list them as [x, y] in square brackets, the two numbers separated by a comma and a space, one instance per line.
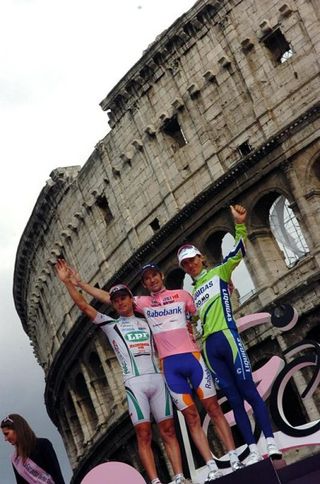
[273, 451]
[254, 458]
[236, 465]
[213, 475]
[180, 480]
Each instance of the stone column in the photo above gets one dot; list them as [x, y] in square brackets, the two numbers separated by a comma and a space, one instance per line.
[306, 207]
[76, 434]
[267, 260]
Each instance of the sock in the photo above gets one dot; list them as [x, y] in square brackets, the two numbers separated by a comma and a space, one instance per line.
[156, 480]
[253, 448]
[233, 456]
[270, 440]
[212, 465]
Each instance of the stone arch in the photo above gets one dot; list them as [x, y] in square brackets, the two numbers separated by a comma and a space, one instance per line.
[265, 251]
[75, 424]
[84, 401]
[174, 278]
[213, 247]
[313, 172]
[259, 213]
[99, 379]
[287, 231]
[315, 169]
[66, 431]
[96, 366]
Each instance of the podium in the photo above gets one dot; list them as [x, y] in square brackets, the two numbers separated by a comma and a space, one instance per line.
[306, 471]
[261, 473]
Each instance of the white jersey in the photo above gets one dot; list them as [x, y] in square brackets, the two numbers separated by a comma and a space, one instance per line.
[131, 340]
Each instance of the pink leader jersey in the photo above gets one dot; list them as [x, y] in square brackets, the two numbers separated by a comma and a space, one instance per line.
[167, 313]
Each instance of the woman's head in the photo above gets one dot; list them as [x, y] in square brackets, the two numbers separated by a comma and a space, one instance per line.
[17, 432]
[191, 260]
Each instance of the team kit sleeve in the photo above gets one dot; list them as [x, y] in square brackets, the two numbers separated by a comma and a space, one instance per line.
[139, 303]
[190, 305]
[102, 319]
[233, 259]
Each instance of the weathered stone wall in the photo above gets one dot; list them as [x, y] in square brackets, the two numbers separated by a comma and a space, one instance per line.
[208, 116]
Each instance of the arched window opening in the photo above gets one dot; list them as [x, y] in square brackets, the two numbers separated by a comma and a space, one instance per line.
[74, 420]
[96, 366]
[316, 169]
[213, 247]
[287, 231]
[173, 130]
[241, 277]
[66, 431]
[174, 279]
[100, 380]
[84, 400]
[278, 46]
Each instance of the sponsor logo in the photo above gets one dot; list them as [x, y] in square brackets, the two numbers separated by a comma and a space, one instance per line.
[202, 300]
[245, 358]
[207, 379]
[137, 336]
[226, 301]
[158, 313]
[202, 289]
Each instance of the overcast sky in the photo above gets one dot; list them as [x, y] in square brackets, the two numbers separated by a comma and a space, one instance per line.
[58, 60]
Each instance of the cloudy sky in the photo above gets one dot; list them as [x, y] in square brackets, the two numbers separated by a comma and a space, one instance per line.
[58, 60]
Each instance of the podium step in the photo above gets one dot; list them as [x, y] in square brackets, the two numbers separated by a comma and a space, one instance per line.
[306, 471]
[261, 473]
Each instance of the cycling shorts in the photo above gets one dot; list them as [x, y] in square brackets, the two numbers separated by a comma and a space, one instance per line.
[148, 394]
[185, 373]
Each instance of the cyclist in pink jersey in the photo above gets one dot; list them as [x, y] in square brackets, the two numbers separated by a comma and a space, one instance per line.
[168, 313]
[145, 387]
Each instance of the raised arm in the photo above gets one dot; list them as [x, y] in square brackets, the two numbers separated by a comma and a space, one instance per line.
[239, 214]
[66, 276]
[230, 262]
[99, 294]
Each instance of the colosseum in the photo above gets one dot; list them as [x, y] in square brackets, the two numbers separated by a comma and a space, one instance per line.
[223, 107]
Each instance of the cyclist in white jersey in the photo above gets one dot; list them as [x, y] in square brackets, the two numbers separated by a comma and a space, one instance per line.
[167, 313]
[131, 340]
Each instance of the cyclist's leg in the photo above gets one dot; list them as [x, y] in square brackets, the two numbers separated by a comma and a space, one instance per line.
[219, 356]
[249, 392]
[247, 387]
[161, 408]
[202, 382]
[139, 410]
[176, 369]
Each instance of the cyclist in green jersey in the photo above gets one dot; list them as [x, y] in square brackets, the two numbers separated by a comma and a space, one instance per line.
[223, 348]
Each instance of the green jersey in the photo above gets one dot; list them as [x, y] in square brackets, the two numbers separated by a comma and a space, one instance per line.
[211, 292]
